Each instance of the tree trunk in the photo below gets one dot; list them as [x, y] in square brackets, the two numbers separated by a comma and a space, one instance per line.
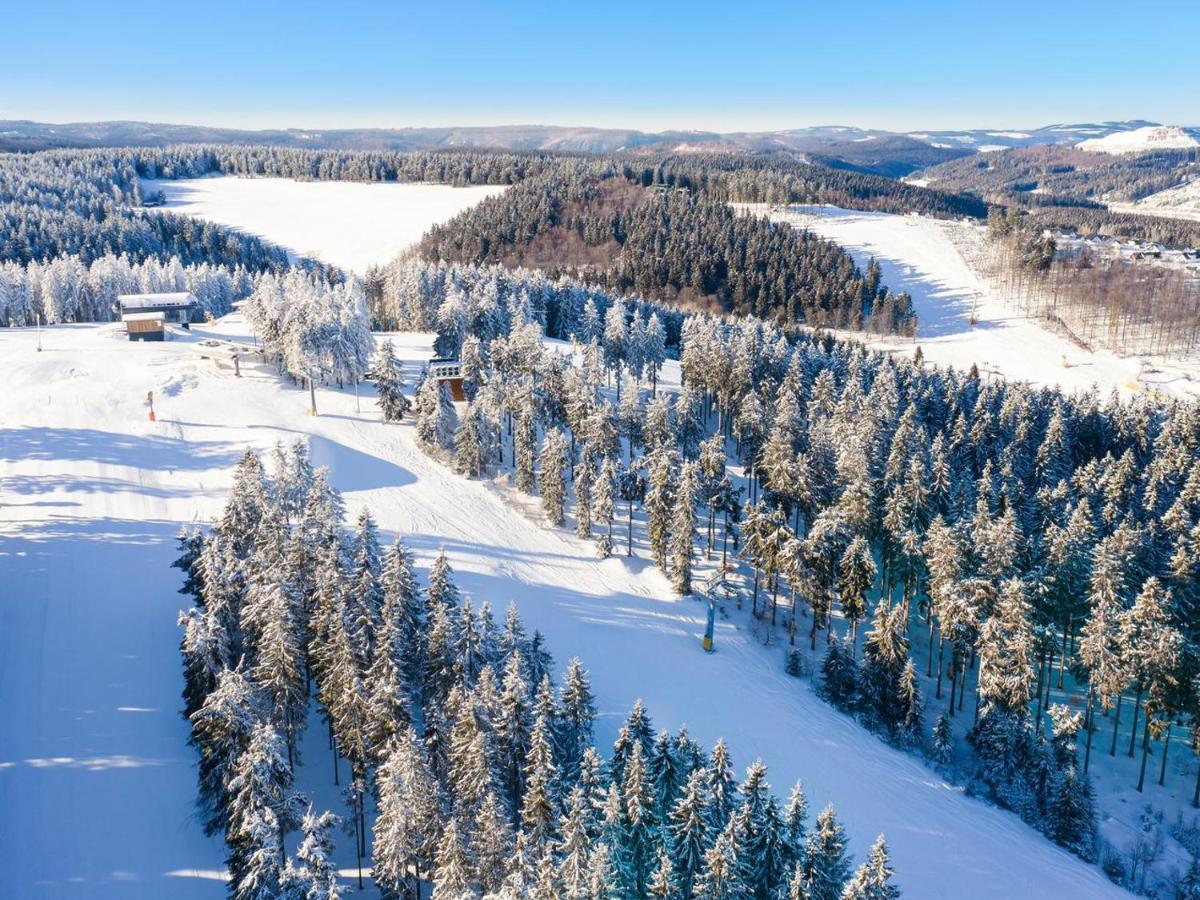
[1145, 753]
[1162, 770]
[792, 623]
[1137, 707]
[929, 653]
[941, 656]
[1087, 723]
[1062, 666]
[629, 545]
[1112, 751]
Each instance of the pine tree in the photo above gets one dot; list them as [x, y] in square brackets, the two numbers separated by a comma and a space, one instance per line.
[491, 844]
[552, 462]
[573, 848]
[452, 878]
[794, 833]
[873, 880]
[640, 823]
[721, 786]
[663, 883]
[577, 713]
[683, 527]
[839, 675]
[856, 575]
[525, 446]
[539, 806]
[720, 878]
[585, 478]
[659, 491]
[941, 750]
[390, 384]
[826, 865]
[406, 828]
[513, 733]
[313, 876]
[689, 826]
[603, 506]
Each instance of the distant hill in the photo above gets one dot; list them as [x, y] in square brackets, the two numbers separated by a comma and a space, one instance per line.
[870, 151]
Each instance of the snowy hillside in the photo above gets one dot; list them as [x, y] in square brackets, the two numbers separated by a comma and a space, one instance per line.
[935, 261]
[1140, 140]
[350, 224]
[1182, 202]
[91, 498]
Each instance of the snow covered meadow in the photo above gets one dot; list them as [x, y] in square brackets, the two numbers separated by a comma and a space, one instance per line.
[92, 497]
[349, 224]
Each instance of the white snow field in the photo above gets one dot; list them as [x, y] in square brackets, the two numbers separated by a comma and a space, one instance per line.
[96, 781]
[349, 224]
[931, 259]
[1141, 140]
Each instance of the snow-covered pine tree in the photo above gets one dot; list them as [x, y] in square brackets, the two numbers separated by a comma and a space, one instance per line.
[577, 712]
[873, 880]
[683, 527]
[410, 814]
[659, 497]
[720, 879]
[525, 447]
[539, 805]
[603, 506]
[826, 865]
[856, 575]
[941, 749]
[389, 382]
[452, 877]
[313, 875]
[552, 462]
[688, 822]
[585, 478]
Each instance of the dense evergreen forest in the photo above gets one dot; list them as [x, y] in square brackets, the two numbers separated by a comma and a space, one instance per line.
[1006, 543]
[669, 242]
[468, 771]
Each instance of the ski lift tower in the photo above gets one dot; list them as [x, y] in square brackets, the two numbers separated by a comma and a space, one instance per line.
[714, 583]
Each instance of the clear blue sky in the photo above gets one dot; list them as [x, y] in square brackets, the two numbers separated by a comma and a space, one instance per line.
[736, 65]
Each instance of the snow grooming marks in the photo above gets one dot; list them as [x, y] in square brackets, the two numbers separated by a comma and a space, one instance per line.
[74, 641]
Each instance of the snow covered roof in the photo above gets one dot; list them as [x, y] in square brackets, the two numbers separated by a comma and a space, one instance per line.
[142, 317]
[144, 301]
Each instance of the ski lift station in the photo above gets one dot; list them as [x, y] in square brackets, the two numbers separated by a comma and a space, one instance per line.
[146, 315]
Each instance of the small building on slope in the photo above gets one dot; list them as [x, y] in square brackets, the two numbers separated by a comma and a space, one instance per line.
[180, 308]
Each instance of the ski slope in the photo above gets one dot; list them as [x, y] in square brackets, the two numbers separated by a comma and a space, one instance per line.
[931, 259]
[96, 781]
[349, 224]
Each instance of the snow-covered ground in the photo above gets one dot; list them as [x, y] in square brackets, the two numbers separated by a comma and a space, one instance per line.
[347, 223]
[96, 781]
[1141, 140]
[937, 263]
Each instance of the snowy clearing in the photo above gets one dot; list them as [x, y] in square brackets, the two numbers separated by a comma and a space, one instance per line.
[349, 224]
[935, 261]
[91, 498]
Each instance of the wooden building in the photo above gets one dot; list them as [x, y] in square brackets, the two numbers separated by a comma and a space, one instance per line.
[450, 373]
[145, 326]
